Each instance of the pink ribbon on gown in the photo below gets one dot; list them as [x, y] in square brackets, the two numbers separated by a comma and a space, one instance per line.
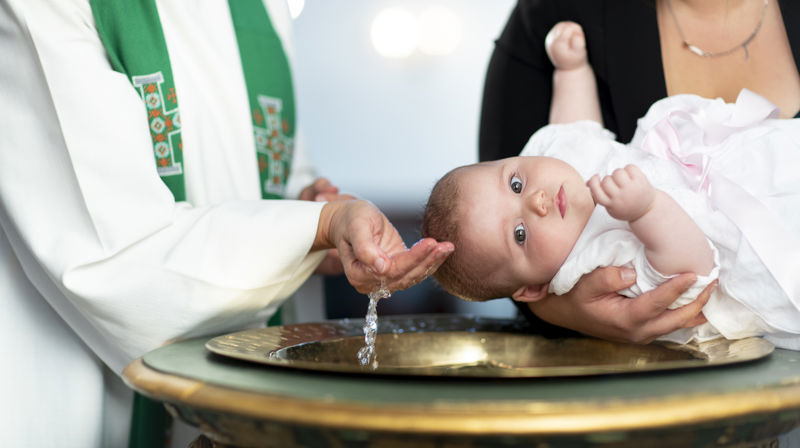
[777, 247]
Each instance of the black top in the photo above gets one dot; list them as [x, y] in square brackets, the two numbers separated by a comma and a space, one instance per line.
[625, 52]
[623, 47]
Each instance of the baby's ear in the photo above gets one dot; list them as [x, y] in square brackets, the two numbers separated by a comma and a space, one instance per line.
[531, 293]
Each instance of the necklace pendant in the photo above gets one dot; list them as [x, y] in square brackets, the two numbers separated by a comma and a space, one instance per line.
[695, 50]
[705, 54]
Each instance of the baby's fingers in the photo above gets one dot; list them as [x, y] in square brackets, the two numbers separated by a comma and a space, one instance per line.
[598, 194]
[610, 186]
[624, 177]
[634, 172]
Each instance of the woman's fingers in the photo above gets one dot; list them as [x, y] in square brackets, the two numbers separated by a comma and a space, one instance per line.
[605, 280]
[653, 303]
[667, 321]
[695, 321]
[594, 307]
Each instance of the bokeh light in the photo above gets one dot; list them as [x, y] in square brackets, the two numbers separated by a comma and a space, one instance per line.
[395, 33]
[440, 31]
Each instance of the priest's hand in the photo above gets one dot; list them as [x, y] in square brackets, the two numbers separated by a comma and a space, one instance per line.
[593, 307]
[322, 190]
[371, 250]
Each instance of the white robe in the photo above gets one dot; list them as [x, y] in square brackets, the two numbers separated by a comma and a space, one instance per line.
[739, 144]
[98, 264]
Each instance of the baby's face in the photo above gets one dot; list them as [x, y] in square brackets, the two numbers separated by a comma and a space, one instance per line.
[522, 216]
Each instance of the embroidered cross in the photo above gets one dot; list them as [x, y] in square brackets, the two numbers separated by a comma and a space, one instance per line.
[165, 122]
[274, 147]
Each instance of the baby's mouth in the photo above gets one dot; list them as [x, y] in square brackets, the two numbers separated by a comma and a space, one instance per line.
[562, 202]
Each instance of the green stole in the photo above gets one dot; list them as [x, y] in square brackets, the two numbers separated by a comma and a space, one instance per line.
[134, 40]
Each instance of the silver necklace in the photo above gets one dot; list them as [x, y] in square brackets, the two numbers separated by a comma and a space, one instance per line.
[707, 54]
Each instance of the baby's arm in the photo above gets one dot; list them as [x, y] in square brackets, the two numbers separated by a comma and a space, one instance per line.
[574, 87]
[673, 242]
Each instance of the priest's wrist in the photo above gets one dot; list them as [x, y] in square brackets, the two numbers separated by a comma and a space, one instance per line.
[328, 217]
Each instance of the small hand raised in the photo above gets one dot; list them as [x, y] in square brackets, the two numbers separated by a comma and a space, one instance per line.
[626, 193]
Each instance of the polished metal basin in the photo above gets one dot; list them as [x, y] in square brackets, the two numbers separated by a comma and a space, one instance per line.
[457, 345]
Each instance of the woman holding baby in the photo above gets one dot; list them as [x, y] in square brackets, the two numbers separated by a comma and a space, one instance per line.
[641, 51]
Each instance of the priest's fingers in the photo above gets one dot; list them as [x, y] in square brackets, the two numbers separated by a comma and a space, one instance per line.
[366, 251]
[364, 238]
[414, 265]
[362, 276]
[319, 185]
[333, 196]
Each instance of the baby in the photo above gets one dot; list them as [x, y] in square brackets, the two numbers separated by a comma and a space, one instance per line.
[576, 200]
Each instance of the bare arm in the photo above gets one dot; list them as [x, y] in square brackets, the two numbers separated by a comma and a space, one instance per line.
[574, 87]
[673, 242]
[574, 96]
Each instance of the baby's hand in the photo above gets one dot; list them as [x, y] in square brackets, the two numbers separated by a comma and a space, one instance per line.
[626, 193]
[566, 46]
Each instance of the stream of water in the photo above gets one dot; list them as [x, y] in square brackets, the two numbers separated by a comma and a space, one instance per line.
[366, 355]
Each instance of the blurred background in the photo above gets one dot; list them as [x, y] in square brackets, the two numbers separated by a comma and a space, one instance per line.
[389, 95]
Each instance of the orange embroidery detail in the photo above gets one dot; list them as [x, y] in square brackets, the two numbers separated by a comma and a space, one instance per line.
[150, 88]
[155, 113]
[163, 162]
[172, 96]
[258, 117]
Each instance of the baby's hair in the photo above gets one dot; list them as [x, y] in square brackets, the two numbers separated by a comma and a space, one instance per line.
[459, 274]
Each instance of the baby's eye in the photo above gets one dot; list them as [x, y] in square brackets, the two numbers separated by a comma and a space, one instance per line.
[516, 184]
[519, 234]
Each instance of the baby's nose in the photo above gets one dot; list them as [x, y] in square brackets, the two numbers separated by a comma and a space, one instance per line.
[537, 202]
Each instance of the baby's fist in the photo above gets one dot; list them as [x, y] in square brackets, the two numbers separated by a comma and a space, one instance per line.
[626, 193]
[566, 46]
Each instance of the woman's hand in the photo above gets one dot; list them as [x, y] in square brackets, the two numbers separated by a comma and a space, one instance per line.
[372, 251]
[593, 307]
